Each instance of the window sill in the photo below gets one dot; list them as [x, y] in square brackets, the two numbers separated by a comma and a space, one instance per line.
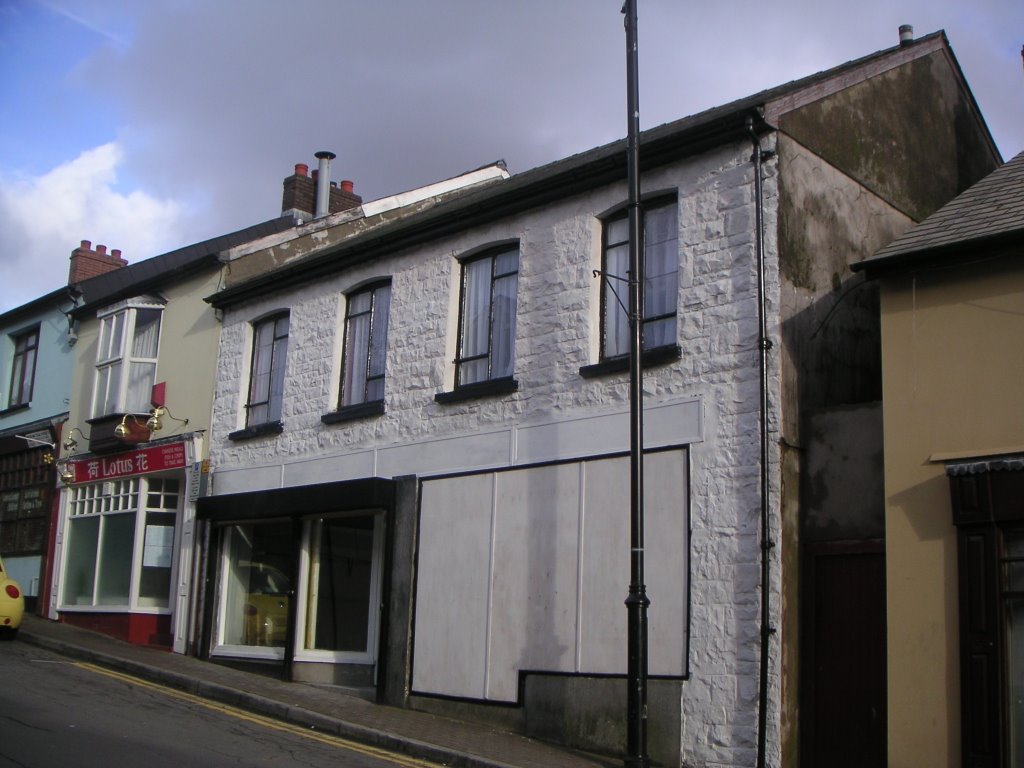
[651, 358]
[15, 409]
[354, 412]
[258, 430]
[491, 388]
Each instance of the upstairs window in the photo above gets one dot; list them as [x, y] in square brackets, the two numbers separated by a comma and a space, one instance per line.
[23, 366]
[126, 360]
[487, 322]
[661, 280]
[266, 382]
[366, 340]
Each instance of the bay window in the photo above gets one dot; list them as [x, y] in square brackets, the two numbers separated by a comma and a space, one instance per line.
[126, 359]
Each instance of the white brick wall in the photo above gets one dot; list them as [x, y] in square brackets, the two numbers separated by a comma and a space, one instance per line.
[557, 333]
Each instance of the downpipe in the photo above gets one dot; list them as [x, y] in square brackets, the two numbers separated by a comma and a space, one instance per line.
[767, 545]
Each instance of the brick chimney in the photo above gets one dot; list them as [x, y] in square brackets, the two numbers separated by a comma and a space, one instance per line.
[86, 262]
[300, 189]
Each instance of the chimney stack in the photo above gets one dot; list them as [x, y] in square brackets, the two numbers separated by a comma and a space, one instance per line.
[86, 262]
[313, 195]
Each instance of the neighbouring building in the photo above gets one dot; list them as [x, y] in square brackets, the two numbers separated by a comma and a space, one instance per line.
[141, 389]
[952, 310]
[419, 480]
[36, 357]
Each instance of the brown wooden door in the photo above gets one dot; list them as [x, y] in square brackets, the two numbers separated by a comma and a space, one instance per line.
[843, 708]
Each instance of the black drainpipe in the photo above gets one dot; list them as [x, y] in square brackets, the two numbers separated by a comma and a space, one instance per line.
[764, 345]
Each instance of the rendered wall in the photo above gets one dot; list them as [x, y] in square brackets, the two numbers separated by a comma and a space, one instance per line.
[53, 365]
[954, 363]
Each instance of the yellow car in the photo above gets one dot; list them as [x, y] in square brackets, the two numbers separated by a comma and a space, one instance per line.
[12, 605]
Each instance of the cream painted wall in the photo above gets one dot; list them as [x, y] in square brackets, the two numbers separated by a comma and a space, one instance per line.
[953, 367]
[187, 361]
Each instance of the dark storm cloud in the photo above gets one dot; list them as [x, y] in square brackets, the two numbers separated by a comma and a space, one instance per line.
[214, 102]
[226, 100]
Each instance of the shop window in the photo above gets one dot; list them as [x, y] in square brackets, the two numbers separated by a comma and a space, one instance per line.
[1013, 602]
[126, 360]
[120, 543]
[255, 588]
[661, 280]
[23, 367]
[342, 588]
[989, 518]
[25, 481]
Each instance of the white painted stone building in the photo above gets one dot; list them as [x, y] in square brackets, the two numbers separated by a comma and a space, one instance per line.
[419, 471]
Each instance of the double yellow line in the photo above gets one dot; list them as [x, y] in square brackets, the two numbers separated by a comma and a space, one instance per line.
[266, 722]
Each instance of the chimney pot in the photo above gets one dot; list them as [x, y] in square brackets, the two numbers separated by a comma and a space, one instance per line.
[315, 174]
[323, 182]
[86, 245]
[301, 169]
[101, 250]
[116, 253]
[347, 186]
[906, 34]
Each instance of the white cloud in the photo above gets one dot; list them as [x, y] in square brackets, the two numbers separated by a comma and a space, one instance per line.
[46, 217]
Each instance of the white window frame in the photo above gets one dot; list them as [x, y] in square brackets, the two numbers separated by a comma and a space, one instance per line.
[117, 327]
[302, 610]
[93, 500]
[220, 648]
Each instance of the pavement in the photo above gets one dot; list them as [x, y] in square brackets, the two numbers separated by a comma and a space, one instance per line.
[328, 709]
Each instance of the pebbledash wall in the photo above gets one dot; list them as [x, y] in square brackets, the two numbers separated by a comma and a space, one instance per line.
[702, 411]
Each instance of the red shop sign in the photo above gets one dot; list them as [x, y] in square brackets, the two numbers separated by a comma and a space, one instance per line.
[140, 462]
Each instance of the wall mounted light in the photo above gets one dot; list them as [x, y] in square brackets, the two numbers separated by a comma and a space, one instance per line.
[64, 469]
[155, 421]
[122, 430]
[70, 443]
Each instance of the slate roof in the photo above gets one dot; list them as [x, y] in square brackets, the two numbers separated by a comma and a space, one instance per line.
[149, 274]
[988, 214]
[548, 183]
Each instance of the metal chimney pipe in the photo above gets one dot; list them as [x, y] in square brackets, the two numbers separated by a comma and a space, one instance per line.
[906, 34]
[323, 183]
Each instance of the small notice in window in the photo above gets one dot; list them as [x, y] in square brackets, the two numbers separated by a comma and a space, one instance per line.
[159, 543]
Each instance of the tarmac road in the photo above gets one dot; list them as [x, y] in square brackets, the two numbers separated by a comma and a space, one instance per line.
[58, 712]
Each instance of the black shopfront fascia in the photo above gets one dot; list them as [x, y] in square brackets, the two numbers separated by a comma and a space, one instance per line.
[295, 504]
[987, 498]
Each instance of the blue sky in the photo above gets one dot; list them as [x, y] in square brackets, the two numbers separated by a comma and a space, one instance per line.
[150, 125]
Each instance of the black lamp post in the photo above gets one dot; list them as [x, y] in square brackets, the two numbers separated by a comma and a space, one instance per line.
[637, 601]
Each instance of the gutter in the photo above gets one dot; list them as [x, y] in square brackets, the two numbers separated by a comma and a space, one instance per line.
[937, 257]
[146, 285]
[532, 189]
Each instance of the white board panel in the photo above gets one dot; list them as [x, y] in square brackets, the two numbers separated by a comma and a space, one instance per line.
[536, 545]
[452, 590]
[528, 569]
